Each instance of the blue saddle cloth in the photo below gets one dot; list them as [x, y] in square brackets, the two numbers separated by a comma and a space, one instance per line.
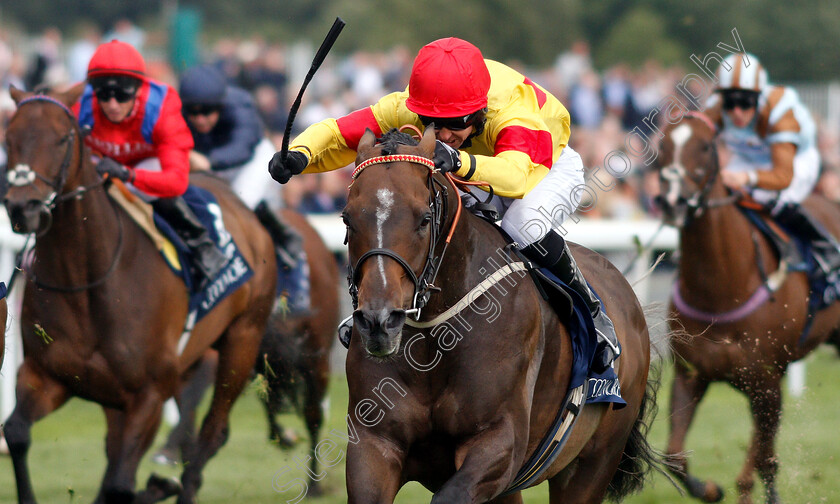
[603, 387]
[235, 273]
[293, 286]
[2, 290]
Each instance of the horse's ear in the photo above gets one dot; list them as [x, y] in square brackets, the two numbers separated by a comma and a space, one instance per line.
[427, 143]
[71, 96]
[366, 142]
[17, 94]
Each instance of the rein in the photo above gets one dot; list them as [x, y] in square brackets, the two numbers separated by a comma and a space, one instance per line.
[423, 283]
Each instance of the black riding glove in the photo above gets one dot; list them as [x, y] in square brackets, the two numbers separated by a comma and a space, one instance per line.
[114, 170]
[447, 159]
[282, 171]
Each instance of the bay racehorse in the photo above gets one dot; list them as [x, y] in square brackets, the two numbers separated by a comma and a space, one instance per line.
[461, 410]
[294, 358]
[735, 329]
[102, 312]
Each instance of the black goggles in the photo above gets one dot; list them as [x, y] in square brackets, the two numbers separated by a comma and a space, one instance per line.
[744, 100]
[450, 123]
[104, 94]
[202, 110]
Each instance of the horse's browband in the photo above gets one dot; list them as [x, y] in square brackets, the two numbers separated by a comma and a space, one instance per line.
[410, 158]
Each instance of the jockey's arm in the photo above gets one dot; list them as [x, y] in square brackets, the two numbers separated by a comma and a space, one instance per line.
[331, 144]
[781, 175]
[777, 178]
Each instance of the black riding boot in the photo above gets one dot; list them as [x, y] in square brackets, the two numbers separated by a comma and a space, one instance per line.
[208, 258]
[288, 243]
[801, 223]
[552, 253]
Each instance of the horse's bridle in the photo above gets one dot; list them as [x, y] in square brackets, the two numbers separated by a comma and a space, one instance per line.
[23, 175]
[424, 282]
[699, 201]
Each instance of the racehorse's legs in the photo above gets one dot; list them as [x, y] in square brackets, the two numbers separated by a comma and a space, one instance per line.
[766, 406]
[686, 392]
[316, 385]
[374, 468]
[237, 354]
[130, 433]
[37, 396]
[585, 480]
[485, 460]
[182, 436]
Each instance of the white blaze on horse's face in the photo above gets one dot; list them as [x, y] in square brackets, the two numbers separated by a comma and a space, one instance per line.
[383, 211]
[674, 172]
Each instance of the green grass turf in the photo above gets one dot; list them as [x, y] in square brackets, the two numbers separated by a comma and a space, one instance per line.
[67, 456]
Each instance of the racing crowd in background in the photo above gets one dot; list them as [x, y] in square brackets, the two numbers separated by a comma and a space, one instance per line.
[605, 104]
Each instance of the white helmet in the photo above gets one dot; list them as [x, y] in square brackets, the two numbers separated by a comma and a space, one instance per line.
[741, 71]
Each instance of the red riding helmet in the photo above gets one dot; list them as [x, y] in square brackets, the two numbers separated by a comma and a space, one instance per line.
[117, 58]
[448, 79]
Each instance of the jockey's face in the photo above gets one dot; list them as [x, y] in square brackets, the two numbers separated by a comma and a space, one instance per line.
[453, 138]
[116, 111]
[740, 106]
[741, 117]
[203, 123]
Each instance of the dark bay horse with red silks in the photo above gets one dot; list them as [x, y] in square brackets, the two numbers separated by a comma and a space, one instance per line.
[103, 314]
[460, 413]
[736, 332]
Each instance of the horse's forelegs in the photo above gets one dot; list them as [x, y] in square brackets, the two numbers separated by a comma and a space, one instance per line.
[686, 392]
[484, 466]
[37, 395]
[374, 469]
[130, 433]
[766, 406]
[237, 354]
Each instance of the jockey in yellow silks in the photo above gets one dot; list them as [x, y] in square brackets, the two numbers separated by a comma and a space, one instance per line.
[492, 124]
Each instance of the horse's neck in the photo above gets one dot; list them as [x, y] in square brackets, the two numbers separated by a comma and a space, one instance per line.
[82, 237]
[473, 255]
[718, 255]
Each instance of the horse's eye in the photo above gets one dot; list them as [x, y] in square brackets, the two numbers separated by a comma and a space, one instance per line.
[427, 219]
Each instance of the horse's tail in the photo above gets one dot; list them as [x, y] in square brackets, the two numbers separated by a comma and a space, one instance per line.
[639, 457]
[279, 364]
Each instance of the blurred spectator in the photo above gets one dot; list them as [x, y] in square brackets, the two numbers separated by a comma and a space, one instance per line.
[126, 31]
[829, 184]
[47, 67]
[584, 103]
[81, 50]
[572, 64]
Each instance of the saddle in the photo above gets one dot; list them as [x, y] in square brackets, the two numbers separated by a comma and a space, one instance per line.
[231, 277]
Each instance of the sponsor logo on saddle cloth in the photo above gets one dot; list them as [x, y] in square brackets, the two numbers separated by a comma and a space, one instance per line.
[175, 253]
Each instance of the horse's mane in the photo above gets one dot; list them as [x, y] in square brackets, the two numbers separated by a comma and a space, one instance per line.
[392, 139]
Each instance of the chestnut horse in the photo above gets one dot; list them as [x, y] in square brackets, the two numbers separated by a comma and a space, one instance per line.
[731, 335]
[103, 314]
[462, 412]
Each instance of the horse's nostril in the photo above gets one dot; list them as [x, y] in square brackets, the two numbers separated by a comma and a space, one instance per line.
[363, 321]
[395, 321]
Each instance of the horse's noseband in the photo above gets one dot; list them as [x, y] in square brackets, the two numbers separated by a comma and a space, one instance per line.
[423, 283]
